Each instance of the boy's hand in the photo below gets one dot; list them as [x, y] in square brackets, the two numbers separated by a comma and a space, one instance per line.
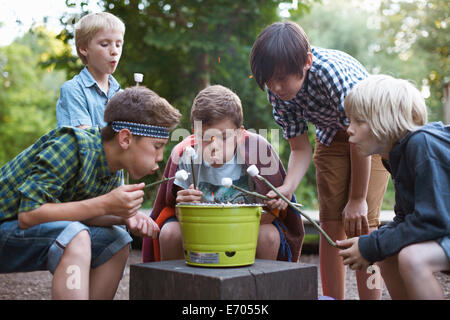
[142, 225]
[277, 203]
[189, 195]
[125, 200]
[352, 256]
[354, 218]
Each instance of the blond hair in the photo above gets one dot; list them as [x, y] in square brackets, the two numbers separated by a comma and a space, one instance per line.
[88, 26]
[390, 106]
[216, 103]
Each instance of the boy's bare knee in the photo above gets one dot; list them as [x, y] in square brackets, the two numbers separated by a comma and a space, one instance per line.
[170, 233]
[80, 244]
[171, 241]
[269, 236]
[409, 260]
[274, 237]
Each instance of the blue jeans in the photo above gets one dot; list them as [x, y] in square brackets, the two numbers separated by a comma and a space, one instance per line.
[42, 246]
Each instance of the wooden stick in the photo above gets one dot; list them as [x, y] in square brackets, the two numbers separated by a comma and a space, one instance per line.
[255, 194]
[193, 173]
[258, 195]
[327, 237]
[159, 182]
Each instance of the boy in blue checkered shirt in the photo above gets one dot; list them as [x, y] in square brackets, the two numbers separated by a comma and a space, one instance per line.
[62, 202]
[309, 84]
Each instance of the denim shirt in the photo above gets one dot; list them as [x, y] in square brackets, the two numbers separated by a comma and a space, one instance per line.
[83, 102]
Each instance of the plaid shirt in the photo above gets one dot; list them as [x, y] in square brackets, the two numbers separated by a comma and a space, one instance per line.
[321, 98]
[64, 165]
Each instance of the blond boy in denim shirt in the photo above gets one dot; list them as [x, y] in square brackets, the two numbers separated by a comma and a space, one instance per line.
[82, 102]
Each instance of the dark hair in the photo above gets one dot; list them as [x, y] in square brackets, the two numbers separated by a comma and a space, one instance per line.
[139, 105]
[283, 46]
[216, 103]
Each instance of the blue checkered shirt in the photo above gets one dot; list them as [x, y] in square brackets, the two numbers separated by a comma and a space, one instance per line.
[320, 101]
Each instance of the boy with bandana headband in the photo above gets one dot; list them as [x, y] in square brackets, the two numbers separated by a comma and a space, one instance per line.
[61, 199]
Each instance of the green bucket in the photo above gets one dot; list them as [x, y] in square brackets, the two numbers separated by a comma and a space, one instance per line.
[219, 235]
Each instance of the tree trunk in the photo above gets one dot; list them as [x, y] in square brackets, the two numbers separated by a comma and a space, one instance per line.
[203, 71]
[446, 88]
[203, 64]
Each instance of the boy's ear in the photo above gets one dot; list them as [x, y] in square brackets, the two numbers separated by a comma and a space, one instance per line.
[124, 137]
[240, 134]
[309, 61]
[83, 51]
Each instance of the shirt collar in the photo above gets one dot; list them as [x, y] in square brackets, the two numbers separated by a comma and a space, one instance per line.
[113, 84]
[89, 81]
[87, 78]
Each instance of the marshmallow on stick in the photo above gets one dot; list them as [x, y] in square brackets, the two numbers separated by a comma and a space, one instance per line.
[138, 78]
[228, 183]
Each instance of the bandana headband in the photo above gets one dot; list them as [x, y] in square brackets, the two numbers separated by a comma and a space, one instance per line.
[140, 129]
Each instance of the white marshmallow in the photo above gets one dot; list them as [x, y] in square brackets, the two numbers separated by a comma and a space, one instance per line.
[227, 182]
[253, 170]
[181, 175]
[138, 77]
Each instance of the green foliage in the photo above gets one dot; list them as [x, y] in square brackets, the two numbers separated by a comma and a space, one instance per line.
[389, 197]
[344, 28]
[416, 34]
[406, 39]
[28, 92]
